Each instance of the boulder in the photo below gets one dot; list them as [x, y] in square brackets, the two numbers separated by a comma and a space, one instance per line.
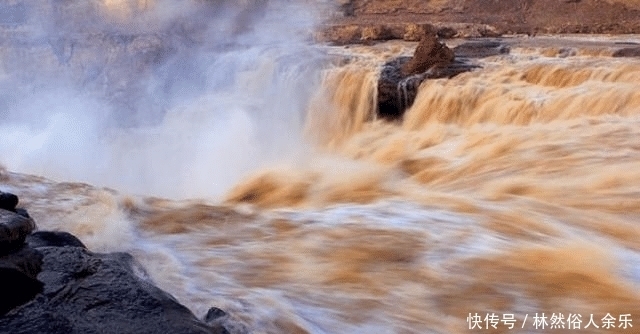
[19, 271]
[480, 49]
[8, 201]
[14, 228]
[217, 317]
[628, 52]
[429, 53]
[401, 77]
[85, 292]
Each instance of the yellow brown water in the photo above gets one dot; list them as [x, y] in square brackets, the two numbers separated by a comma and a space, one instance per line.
[513, 189]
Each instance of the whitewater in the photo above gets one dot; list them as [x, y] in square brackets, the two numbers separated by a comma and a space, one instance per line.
[243, 165]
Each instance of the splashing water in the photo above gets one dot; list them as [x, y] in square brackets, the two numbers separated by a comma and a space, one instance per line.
[509, 189]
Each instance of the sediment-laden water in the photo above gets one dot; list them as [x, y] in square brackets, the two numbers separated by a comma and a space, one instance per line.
[248, 171]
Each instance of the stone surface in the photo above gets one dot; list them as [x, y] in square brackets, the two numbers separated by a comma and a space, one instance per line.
[339, 34]
[400, 78]
[54, 239]
[14, 228]
[480, 49]
[474, 18]
[18, 274]
[628, 52]
[8, 201]
[86, 292]
[430, 52]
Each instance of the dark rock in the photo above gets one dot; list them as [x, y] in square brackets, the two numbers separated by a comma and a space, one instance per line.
[218, 318]
[446, 32]
[214, 313]
[8, 201]
[14, 228]
[18, 274]
[400, 78]
[86, 292]
[390, 105]
[22, 212]
[627, 52]
[480, 49]
[53, 239]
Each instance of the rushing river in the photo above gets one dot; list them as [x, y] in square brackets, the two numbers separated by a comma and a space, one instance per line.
[244, 167]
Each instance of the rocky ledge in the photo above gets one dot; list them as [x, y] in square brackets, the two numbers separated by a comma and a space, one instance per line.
[51, 283]
[363, 21]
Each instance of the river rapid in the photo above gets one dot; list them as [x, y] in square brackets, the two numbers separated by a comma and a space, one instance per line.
[244, 167]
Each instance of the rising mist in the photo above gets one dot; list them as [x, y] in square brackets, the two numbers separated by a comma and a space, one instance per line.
[166, 98]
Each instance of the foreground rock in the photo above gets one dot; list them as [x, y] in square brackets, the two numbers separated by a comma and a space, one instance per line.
[52, 284]
[14, 228]
[87, 292]
[401, 77]
[8, 201]
[18, 273]
[19, 264]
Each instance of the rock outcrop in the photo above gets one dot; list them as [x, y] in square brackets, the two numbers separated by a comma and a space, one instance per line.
[19, 263]
[401, 77]
[53, 284]
[342, 34]
[628, 52]
[473, 18]
[14, 229]
[429, 53]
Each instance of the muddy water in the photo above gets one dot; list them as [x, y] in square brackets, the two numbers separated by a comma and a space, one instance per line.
[509, 190]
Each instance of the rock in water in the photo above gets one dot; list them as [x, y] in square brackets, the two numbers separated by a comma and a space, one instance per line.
[429, 53]
[14, 229]
[628, 52]
[86, 292]
[8, 201]
[480, 49]
[400, 78]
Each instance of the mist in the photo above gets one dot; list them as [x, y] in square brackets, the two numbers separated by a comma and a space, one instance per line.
[167, 98]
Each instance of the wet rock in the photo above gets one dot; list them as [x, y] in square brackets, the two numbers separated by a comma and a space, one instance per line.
[480, 49]
[18, 273]
[218, 318]
[8, 201]
[53, 239]
[87, 292]
[400, 78]
[628, 52]
[213, 314]
[14, 228]
[22, 212]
